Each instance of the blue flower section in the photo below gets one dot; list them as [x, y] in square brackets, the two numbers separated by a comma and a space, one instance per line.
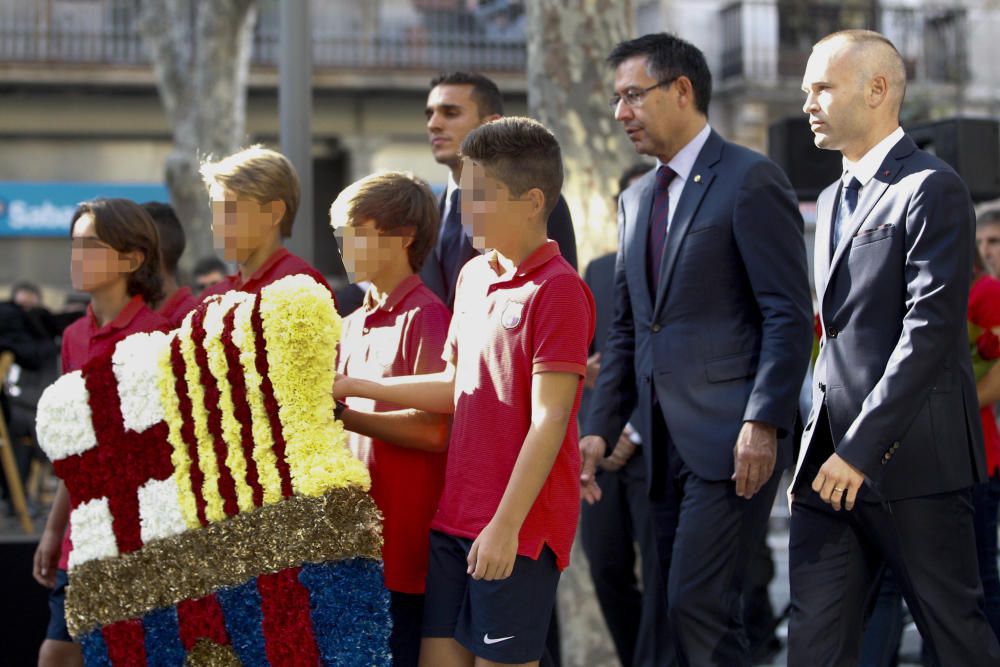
[163, 639]
[95, 651]
[349, 606]
[244, 622]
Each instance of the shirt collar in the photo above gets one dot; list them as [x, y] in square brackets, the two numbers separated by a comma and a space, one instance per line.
[865, 169]
[400, 292]
[275, 257]
[122, 320]
[452, 186]
[683, 162]
[539, 257]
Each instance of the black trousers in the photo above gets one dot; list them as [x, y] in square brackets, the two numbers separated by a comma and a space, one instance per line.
[704, 535]
[836, 561]
[609, 531]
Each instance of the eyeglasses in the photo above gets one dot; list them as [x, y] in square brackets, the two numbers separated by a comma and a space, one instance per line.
[634, 97]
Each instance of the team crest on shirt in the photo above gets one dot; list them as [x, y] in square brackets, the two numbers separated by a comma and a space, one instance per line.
[511, 315]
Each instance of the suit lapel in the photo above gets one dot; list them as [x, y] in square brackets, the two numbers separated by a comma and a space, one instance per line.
[643, 202]
[824, 228]
[697, 184]
[871, 194]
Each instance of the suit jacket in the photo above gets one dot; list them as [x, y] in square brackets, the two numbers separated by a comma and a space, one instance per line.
[599, 276]
[726, 336]
[894, 372]
[560, 230]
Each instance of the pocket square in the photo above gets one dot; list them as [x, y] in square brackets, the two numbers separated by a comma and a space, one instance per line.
[866, 232]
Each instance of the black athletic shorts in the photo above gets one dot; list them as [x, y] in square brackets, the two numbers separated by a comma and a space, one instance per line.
[505, 620]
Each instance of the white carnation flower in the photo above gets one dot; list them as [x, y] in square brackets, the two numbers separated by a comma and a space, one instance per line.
[160, 510]
[63, 420]
[93, 536]
[135, 363]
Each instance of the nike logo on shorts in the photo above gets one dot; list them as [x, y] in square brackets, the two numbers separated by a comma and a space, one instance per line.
[487, 640]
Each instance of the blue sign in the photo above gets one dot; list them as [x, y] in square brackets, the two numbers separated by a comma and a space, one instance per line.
[46, 209]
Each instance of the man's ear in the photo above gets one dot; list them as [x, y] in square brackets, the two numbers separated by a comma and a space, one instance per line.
[486, 119]
[277, 210]
[877, 91]
[685, 91]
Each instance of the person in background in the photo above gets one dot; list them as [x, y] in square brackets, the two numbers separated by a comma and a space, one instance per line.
[208, 271]
[115, 259]
[177, 301]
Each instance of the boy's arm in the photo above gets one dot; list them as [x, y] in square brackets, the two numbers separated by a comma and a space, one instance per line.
[433, 392]
[49, 548]
[414, 429]
[552, 395]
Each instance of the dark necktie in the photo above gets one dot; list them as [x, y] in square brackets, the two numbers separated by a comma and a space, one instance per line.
[452, 238]
[658, 219]
[848, 204]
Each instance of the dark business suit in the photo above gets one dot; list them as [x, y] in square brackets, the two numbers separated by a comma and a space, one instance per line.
[560, 230]
[894, 396]
[609, 530]
[723, 338]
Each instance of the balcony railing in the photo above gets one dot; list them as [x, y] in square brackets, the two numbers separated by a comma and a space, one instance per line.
[346, 34]
[770, 40]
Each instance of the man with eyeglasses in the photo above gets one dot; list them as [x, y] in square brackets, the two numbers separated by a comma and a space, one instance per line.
[457, 104]
[710, 341]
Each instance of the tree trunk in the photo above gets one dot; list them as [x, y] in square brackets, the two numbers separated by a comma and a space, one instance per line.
[568, 90]
[569, 85]
[201, 56]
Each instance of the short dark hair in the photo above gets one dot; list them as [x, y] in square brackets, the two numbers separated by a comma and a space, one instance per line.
[25, 286]
[172, 240]
[484, 90]
[989, 216]
[396, 201]
[521, 153]
[209, 264]
[637, 169]
[126, 227]
[669, 56]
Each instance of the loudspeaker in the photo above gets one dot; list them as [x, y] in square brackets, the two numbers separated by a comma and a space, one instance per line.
[970, 145]
[24, 610]
[810, 169]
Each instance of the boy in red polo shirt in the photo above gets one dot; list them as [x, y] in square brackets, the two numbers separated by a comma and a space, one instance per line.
[116, 259]
[386, 225]
[255, 196]
[516, 356]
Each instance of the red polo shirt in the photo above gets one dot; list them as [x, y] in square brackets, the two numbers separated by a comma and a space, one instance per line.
[86, 339]
[403, 336]
[984, 312]
[281, 263]
[537, 318]
[178, 306]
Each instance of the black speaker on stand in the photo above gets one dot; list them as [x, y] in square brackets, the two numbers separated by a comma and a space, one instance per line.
[970, 145]
[810, 169]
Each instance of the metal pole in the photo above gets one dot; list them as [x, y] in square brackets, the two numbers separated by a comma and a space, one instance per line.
[295, 111]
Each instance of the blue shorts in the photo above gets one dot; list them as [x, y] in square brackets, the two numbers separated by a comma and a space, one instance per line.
[504, 621]
[57, 629]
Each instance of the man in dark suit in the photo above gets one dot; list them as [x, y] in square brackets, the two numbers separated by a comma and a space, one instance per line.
[711, 340]
[893, 438]
[457, 104]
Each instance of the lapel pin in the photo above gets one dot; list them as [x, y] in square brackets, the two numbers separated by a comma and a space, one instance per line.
[887, 172]
[697, 178]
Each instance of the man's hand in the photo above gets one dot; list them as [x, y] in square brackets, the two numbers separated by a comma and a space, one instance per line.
[592, 448]
[755, 453]
[593, 369]
[837, 482]
[620, 455]
[493, 553]
[47, 559]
